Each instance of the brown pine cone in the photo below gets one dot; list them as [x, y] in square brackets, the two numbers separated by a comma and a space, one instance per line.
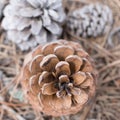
[59, 78]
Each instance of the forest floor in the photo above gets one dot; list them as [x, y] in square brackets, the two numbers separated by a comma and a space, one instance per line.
[105, 106]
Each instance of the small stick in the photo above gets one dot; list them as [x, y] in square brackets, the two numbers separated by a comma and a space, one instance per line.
[12, 112]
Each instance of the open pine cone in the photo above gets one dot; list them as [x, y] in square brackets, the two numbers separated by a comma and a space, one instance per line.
[58, 78]
[90, 21]
[32, 22]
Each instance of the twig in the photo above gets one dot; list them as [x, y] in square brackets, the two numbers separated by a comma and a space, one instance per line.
[93, 46]
[12, 112]
[109, 65]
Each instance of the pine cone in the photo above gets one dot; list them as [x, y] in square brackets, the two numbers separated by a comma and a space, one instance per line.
[2, 5]
[91, 21]
[30, 22]
[58, 78]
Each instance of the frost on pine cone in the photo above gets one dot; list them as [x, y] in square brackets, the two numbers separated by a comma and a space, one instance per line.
[2, 5]
[30, 22]
[91, 21]
[58, 78]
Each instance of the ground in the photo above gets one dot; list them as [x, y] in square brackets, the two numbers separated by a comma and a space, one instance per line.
[105, 105]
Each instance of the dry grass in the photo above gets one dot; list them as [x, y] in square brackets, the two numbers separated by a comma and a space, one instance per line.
[104, 50]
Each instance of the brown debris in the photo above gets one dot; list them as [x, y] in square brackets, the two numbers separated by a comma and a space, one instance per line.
[106, 105]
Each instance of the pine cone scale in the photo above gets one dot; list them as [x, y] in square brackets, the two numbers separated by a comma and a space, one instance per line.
[49, 62]
[75, 91]
[34, 66]
[62, 52]
[62, 68]
[49, 88]
[80, 99]
[45, 77]
[34, 84]
[75, 62]
[79, 77]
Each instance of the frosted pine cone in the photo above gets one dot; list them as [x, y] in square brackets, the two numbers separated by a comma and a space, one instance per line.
[30, 22]
[90, 21]
[58, 78]
[2, 5]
